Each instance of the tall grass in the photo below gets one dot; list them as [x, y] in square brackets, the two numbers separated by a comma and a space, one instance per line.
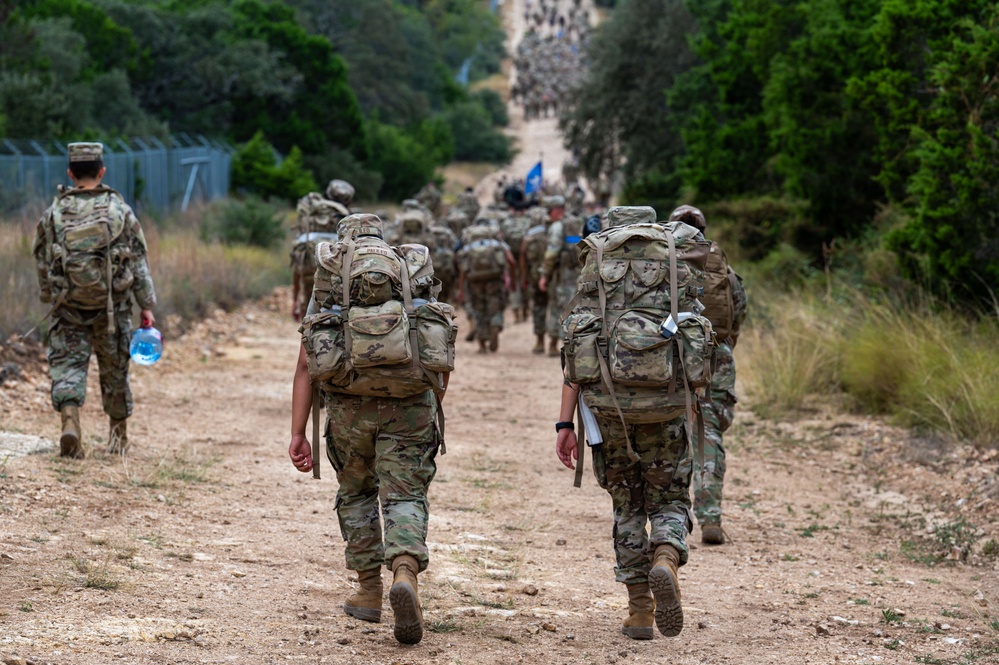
[192, 277]
[922, 362]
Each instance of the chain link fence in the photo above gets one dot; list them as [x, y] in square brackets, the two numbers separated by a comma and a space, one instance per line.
[153, 175]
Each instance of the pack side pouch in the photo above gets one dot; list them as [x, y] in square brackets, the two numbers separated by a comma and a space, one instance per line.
[379, 335]
[87, 237]
[322, 335]
[580, 332]
[436, 336]
[639, 355]
[87, 276]
[698, 348]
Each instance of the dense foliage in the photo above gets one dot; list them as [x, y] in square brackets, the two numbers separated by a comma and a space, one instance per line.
[822, 111]
[325, 76]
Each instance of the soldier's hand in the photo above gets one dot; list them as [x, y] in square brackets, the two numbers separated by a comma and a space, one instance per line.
[300, 452]
[296, 311]
[543, 284]
[565, 447]
[148, 320]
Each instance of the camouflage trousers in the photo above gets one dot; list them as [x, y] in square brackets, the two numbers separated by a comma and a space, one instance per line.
[652, 494]
[383, 450]
[718, 416]
[559, 296]
[539, 308]
[487, 299]
[517, 299]
[72, 337]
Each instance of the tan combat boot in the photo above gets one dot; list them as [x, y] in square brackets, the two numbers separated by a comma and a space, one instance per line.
[665, 587]
[118, 437]
[404, 597]
[539, 347]
[69, 442]
[712, 534]
[641, 604]
[553, 347]
[366, 603]
[494, 332]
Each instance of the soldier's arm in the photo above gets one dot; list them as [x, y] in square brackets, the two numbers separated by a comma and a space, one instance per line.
[43, 255]
[301, 404]
[142, 287]
[565, 442]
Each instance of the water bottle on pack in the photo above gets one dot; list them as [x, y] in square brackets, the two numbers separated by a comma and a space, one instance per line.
[146, 346]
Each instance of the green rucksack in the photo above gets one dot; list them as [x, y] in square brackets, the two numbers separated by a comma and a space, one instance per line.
[91, 252]
[378, 330]
[633, 278]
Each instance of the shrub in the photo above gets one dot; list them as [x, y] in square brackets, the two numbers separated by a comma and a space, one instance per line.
[255, 170]
[406, 164]
[475, 138]
[494, 105]
[250, 221]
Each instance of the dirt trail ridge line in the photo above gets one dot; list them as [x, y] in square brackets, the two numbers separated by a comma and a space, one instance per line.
[204, 545]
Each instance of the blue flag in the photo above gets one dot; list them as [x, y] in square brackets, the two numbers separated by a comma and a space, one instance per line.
[533, 182]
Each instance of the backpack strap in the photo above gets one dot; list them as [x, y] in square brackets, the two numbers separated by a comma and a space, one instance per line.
[348, 257]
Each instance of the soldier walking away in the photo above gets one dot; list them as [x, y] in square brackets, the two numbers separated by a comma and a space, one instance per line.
[382, 383]
[91, 256]
[618, 372]
[532, 258]
[561, 265]
[725, 304]
[317, 217]
[485, 267]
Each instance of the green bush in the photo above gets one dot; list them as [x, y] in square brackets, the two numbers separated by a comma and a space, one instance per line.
[494, 105]
[475, 138]
[255, 170]
[406, 164]
[249, 221]
[343, 165]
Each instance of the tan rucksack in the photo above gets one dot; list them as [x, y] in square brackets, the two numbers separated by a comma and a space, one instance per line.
[483, 258]
[378, 331]
[635, 281]
[91, 253]
[718, 301]
[317, 220]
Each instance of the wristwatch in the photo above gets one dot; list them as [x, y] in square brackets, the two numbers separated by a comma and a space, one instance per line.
[564, 424]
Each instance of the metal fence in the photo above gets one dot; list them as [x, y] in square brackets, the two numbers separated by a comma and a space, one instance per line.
[152, 174]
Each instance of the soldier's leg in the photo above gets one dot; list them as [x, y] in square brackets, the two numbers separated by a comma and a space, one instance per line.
[351, 449]
[717, 419]
[479, 297]
[539, 309]
[666, 474]
[404, 463]
[622, 478]
[68, 355]
[111, 350]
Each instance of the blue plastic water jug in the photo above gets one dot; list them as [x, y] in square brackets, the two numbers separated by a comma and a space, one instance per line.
[146, 346]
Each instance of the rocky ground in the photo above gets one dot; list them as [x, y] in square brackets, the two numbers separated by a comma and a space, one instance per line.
[850, 541]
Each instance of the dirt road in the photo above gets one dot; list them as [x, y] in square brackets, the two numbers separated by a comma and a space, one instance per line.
[204, 545]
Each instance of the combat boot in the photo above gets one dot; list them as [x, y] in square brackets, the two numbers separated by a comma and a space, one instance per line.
[69, 442]
[118, 437]
[712, 534]
[366, 603]
[665, 587]
[539, 347]
[404, 596]
[494, 332]
[470, 337]
[482, 347]
[641, 604]
[553, 347]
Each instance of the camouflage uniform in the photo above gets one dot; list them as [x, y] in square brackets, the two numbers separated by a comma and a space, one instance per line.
[534, 249]
[487, 299]
[383, 450]
[75, 333]
[561, 267]
[468, 203]
[653, 492]
[514, 228]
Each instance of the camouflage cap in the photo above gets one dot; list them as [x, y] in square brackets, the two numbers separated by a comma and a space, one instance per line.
[625, 215]
[85, 152]
[340, 190]
[556, 201]
[362, 224]
[689, 215]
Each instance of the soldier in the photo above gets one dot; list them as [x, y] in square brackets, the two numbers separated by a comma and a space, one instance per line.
[317, 217]
[561, 265]
[514, 228]
[430, 198]
[383, 448]
[532, 257]
[442, 251]
[468, 203]
[724, 303]
[91, 256]
[457, 221]
[485, 264]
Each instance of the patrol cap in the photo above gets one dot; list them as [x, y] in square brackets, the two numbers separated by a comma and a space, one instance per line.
[689, 215]
[557, 201]
[361, 224]
[85, 152]
[340, 190]
[625, 215]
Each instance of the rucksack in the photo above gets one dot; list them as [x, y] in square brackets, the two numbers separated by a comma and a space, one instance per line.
[378, 330]
[537, 241]
[635, 279]
[514, 229]
[317, 220]
[572, 233]
[91, 252]
[718, 301]
[483, 259]
[442, 252]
